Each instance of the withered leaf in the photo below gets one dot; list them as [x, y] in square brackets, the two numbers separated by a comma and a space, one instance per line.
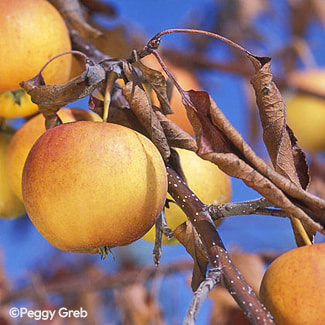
[142, 108]
[176, 136]
[279, 140]
[219, 142]
[119, 113]
[189, 238]
[72, 12]
[60, 95]
[158, 83]
[287, 158]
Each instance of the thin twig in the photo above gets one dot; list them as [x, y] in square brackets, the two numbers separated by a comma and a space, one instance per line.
[257, 206]
[201, 294]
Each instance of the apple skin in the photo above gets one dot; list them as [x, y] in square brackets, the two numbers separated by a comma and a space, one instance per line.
[206, 180]
[87, 185]
[26, 136]
[293, 287]
[10, 205]
[306, 117]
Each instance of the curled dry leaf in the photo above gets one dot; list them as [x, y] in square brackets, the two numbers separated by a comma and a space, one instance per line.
[141, 106]
[72, 12]
[219, 142]
[158, 83]
[189, 238]
[176, 136]
[120, 113]
[51, 98]
[287, 157]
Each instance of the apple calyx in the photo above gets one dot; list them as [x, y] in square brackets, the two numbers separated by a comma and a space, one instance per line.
[103, 252]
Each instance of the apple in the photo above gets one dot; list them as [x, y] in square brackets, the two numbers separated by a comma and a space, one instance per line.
[89, 186]
[206, 180]
[32, 32]
[293, 286]
[306, 117]
[306, 113]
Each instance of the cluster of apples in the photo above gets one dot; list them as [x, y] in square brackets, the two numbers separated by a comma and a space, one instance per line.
[86, 185]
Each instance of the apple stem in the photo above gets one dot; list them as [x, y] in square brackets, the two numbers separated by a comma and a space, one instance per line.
[197, 212]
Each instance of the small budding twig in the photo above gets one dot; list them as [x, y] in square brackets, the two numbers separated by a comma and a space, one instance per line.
[198, 214]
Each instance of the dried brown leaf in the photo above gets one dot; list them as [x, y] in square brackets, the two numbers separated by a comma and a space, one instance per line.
[287, 158]
[121, 114]
[279, 140]
[142, 108]
[222, 144]
[158, 83]
[51, 98]
[176, 136]
[189, 238]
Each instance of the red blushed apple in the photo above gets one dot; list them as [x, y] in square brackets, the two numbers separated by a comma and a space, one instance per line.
[89, 186]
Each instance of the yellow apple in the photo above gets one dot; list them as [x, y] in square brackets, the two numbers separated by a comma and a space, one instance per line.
[293, 286]
[32, 32]
[206, 180]
[88, 185]
[10, 205]
[25, 137]
[306, 113]
[306, 117]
